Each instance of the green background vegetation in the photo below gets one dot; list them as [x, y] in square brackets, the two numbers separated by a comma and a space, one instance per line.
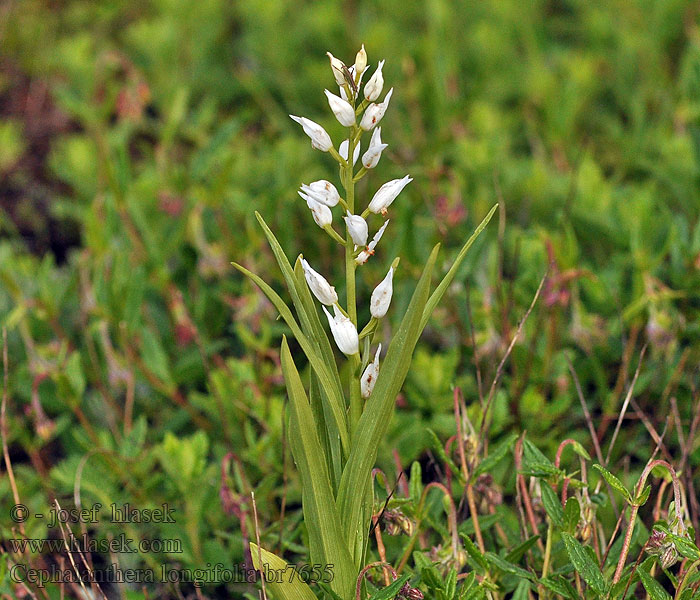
[137, 139]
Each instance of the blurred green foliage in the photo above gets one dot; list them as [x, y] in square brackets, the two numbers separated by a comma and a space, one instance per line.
[139, 359]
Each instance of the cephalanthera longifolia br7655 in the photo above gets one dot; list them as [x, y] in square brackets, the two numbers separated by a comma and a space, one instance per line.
[337, 424]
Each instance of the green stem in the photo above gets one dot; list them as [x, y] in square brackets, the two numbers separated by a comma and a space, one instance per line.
[353, 381]
[360, 174]
[547, 556]
[334, 234]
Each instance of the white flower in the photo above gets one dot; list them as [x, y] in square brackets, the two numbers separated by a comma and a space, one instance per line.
[387, 194]
[324, 291]
[357, 228]
[363, 256]
[343, 151]
[360, 62]
[381, 296]
[338, 67]
[320, 212]
[319, 138]
[344, 332]
[375, 84]
[322, 191]
[375, 112]
[369, 377]
[374, 152]
[341, 109]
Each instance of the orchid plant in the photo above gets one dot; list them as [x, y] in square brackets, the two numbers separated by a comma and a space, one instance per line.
[337, 423]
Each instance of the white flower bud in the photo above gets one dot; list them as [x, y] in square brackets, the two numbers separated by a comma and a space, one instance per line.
[319, 138]
[360, 62]
[325, 293]
[387, 194]
[343, 151]
[363, 256]
[341, 109]
[375, 112]
[375, 84]
[320, 212]
[338, 68]
[344, 332]
[369, 377]
[374, 152]
[357, 228]
[381, 296]
[322, 191]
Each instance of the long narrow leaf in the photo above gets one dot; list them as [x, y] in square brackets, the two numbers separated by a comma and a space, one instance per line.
[332, 451]
[301, 297]
[326, 541]
[324, 419]
[309, 349]
[450, 275]
[376, 416]
[308, 316]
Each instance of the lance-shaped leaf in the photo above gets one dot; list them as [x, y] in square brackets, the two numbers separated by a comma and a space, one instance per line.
[584, 564]
[655, 590]
[308, 315]
[311, 351]
[450, 275]
[287, 587]
[326, 541]
[614, 482]
[323, 417]
[376, 416]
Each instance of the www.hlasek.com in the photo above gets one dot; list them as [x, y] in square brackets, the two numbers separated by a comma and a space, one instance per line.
[84, 543]
[212, 574]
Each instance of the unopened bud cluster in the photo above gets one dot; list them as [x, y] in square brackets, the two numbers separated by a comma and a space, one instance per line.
[360, 110]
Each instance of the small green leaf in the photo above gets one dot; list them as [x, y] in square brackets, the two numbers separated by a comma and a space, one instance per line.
[451, 583]
[522, 592]
[437, 446]
[518, 552]
[467, 584]
[390, 591]
[584, 564]
[506, 567]
[560, 586]
[641, 500]
[475, 553]
[552, 505]
[580, 450]
[572, 515]
[685, 546]
[653, 587]
[495, 456]
[415, 485]
[614, 482]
